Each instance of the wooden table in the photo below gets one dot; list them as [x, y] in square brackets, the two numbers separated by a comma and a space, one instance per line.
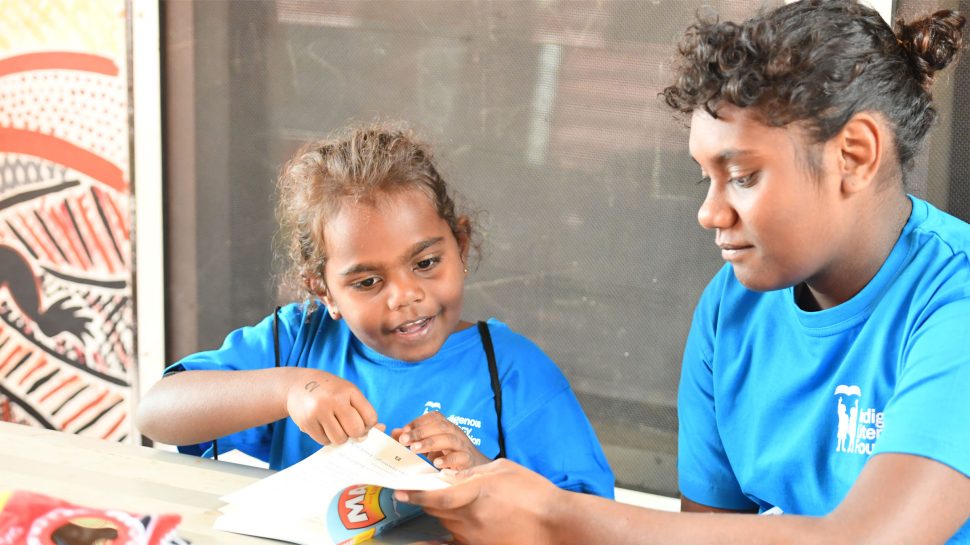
[142, 480]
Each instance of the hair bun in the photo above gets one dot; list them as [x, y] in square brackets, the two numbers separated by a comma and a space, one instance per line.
[931, 42]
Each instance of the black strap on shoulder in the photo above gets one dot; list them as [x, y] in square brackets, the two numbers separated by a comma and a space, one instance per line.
[496, 384]
[276, 354]
[276, 335]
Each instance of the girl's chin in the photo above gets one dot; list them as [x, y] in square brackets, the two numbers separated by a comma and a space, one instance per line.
[755, 282]
[415, 355]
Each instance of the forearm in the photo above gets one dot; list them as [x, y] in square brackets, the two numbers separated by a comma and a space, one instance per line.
[581, 519]
[196, 406]
[897, 499]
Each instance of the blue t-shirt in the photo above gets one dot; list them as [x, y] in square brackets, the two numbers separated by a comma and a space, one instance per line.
[545, 427]
[782, 407]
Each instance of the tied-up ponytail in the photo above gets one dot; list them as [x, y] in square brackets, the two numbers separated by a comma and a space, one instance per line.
[932, 43]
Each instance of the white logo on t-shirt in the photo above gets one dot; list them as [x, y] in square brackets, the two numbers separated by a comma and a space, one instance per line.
[858, 428]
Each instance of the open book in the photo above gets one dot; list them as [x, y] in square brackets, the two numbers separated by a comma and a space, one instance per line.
[339, 495]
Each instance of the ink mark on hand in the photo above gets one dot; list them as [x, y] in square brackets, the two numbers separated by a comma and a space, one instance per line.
[311, 386]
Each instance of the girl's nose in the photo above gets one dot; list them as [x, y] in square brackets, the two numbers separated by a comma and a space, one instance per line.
[403, 292]
[715, 212]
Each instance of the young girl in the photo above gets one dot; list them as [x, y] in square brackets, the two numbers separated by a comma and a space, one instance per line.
[827, 370]
[374, 235]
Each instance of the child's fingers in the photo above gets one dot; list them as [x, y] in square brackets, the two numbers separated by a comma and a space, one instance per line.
[315, 431]
[427, 417]
[424, 425]
[333, 429]
[433, 420]
[364, 408]
[428, 425]
[443, 442]
[350, 421]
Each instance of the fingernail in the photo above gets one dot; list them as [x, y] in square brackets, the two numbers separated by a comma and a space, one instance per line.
[401, 496]
[404, 438]
[416, 446]
[438, 463]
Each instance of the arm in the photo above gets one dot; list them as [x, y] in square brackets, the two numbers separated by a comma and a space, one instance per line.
[898, 499]
[197, 406]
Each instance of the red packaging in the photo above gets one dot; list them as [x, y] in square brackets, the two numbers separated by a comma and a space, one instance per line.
[27, 518]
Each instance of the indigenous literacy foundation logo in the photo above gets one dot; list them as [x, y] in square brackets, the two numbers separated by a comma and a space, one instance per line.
[858, 428]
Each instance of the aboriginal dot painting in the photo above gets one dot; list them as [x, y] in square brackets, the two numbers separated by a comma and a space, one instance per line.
[66, 316]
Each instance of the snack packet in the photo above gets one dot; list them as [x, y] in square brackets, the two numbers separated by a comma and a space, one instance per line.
[28, 518]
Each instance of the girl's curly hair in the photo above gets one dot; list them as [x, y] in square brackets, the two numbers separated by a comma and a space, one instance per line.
[818, 63]
[358, 166]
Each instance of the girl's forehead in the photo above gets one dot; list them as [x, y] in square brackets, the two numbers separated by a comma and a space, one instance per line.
[397, 210]
[365, 237]
[734, 129]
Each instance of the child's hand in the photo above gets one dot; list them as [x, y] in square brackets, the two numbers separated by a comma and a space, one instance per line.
[442, 442]
[329, 409]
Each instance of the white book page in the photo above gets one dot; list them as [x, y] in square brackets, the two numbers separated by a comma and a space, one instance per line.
[306, 489]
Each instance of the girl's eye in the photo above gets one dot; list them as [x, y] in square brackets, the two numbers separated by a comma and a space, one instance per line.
[745, 181]
[427, 263]
[366, 283]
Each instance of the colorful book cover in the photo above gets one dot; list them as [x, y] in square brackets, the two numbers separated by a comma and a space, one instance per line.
[361, 512]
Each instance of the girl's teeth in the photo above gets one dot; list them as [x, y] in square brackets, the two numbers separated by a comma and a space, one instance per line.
[414, 326]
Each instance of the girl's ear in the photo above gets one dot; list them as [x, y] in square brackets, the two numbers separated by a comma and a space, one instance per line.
[464, 226]
[317, 287]
[862, 143]
[331, 304]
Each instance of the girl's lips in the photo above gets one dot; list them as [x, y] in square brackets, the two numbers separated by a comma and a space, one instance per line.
[413, 327]
[730, 252]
